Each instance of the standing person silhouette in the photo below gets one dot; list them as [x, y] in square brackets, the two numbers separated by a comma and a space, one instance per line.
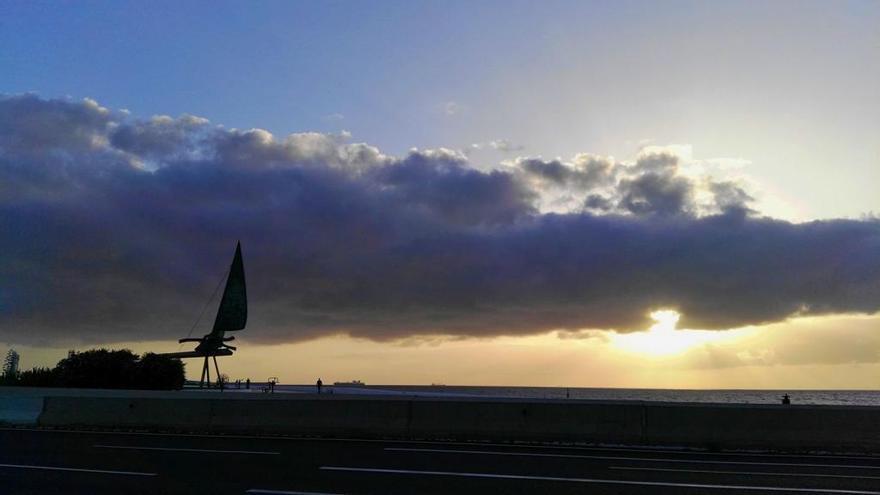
[318, 385]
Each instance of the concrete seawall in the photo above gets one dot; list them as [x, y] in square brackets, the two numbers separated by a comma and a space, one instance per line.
[717, 426]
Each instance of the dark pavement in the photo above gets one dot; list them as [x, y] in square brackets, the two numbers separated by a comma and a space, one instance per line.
[50, 461]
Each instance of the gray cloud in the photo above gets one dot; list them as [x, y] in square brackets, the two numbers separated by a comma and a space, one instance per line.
[30, 125]
[659, 161]
[161, 137]
[553, 170]
[585, 172]
[730, 196]
[652, 185]
[598, 203]
[339, 238]
[441, 183]
[656, 193]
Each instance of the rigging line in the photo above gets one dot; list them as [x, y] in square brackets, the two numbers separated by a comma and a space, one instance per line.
[205, 308]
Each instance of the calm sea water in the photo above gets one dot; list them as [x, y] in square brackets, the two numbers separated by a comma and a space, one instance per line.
[828, 397]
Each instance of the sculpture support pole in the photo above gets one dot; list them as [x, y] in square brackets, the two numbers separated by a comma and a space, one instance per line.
[208, 371]
[217, 368]
[204, 369]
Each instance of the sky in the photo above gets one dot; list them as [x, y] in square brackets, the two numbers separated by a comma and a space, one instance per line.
[620, 194]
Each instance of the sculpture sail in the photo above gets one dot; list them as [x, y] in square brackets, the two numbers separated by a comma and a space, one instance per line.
[232, 313]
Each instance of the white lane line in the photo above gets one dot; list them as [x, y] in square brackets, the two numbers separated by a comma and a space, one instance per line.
[77, 470]
[282, 492]
[171, 449]
[659, 450]
[598, 481]
[666, 451]
[748, 473]
[619, 458]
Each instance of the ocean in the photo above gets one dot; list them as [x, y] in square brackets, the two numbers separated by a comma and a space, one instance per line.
[825, 397]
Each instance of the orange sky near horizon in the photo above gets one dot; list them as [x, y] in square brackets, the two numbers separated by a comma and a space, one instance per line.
[832, 352]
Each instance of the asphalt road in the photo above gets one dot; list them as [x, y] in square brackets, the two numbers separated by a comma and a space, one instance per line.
[50, 461]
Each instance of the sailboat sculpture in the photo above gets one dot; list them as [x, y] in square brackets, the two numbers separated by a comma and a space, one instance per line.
[231, 316]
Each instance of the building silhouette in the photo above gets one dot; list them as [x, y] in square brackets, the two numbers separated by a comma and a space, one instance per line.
[10, 364]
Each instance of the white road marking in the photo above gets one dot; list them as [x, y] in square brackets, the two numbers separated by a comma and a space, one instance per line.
[173, 449]
[78, 470]
[749, 473]
[282, 492]
[598, 481]
[619, 458]
[660, 450]
[656, 450]
[665, 450]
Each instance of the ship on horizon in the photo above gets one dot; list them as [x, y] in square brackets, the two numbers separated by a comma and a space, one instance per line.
[353, 383]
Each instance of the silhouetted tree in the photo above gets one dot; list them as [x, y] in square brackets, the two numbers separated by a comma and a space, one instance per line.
[98, 368]
[9, 378]
[103, 368]
[155, 372]
[38, 377]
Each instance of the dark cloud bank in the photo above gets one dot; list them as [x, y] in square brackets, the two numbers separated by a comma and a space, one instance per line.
[115, 228]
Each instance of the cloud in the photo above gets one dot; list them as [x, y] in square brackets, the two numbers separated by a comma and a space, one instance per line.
[505, 145]
[654, 184]
[451, 108]
[439, 183]
[585, 172]
[730, 196]
[161, 137]
[30, 125]
[118, 229]
[656, 193]
[501, 145]
[832, 340]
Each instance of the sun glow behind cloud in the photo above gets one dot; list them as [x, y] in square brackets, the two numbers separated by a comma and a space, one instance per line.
[805, 353]
[663, 339]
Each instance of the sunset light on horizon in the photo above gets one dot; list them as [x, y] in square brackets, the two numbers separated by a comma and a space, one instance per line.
[564, 194]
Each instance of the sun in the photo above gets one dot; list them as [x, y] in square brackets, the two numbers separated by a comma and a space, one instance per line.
[663, 339]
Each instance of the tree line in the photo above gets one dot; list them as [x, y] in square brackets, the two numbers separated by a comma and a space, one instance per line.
[104, 368]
